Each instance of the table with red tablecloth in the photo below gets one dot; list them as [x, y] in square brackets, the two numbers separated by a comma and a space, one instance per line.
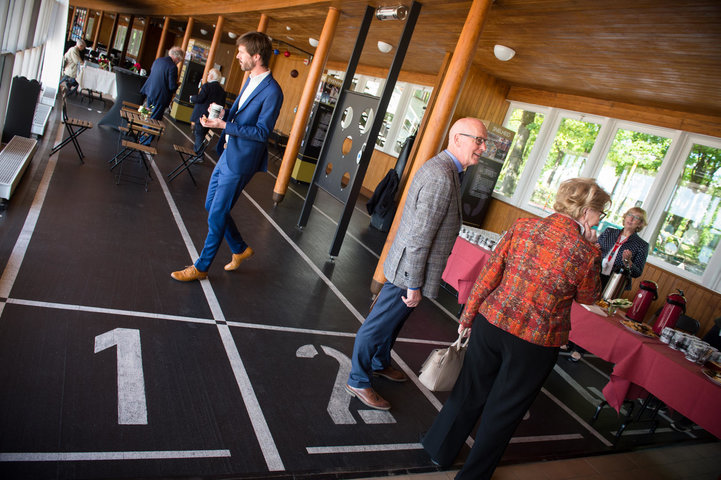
[463, 266]
[643, 363]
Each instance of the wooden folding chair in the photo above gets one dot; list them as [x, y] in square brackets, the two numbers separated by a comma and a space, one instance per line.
[70, 125]
[189, 157]
[138, 131]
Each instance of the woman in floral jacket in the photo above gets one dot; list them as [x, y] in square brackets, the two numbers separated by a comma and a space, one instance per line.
[520, 311]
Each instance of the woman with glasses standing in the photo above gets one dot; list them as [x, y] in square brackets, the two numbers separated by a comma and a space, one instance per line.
[620, 246]
[624, 246]
[520, 314]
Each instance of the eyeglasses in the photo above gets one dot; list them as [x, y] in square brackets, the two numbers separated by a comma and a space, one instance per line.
[602, 215]
[479, 140]
[635, 217]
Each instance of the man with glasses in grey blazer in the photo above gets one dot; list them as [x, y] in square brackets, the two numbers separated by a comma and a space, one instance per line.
[426, 234]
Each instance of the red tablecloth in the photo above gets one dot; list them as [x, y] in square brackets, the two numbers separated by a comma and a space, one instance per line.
[649, 364]
[464, 265]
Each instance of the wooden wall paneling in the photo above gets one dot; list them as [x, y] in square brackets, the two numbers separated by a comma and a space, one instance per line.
[281, 67]
[483, 96]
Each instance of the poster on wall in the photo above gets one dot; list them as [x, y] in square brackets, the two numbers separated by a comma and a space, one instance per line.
[479, 180]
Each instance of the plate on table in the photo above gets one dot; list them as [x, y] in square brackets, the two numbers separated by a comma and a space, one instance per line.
[639, 328]
[712, 375]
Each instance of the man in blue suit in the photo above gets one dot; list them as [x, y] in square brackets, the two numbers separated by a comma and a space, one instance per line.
[245, 133]
[162, 82]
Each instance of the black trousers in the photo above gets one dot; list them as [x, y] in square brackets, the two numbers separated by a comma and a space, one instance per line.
[501, 376]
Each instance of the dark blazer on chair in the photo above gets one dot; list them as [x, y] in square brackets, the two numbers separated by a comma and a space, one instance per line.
[210, 92]
[162, 82]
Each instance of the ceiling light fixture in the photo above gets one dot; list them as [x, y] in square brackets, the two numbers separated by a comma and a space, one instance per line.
[397, 12]
[203, 31]
[503, 53]
[233, 35]
[313, 41]
[384, 47]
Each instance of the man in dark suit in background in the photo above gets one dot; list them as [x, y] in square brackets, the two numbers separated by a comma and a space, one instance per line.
[245, 132]
[210, 92]
[419, 252]
[162, 82]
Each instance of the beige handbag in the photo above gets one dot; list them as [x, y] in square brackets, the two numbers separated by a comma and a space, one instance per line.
[440, 370]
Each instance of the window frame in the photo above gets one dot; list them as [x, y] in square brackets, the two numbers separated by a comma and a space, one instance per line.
[661, 190]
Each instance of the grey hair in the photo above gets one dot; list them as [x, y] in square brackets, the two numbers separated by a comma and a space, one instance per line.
[213, 74]
[177, 54]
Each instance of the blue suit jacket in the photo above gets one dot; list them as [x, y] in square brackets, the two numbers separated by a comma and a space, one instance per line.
[162, 82]
[248, 127]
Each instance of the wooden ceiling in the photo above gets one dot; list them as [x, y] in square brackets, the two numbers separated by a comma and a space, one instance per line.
[655, 53]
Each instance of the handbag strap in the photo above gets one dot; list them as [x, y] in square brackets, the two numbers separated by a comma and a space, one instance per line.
[459, 343]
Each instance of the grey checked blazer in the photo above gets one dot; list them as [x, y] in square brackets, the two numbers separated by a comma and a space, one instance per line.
[428, 229]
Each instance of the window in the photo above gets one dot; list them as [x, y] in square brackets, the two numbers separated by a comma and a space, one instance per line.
[629, 170]
[674, 175]
[412, 116]
[405, 110]
[120, 37]
[389, 115]
[566, 159]
[90, 29]
[690, 227]
[526, 124]
[134, 44]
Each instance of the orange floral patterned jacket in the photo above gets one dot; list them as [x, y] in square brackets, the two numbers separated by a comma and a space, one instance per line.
[527, 287]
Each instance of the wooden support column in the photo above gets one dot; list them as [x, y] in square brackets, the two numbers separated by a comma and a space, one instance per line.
[188, 33]
[440, 116]
[97, 29]
[126, 41]
[163, 35]
[262, 27]
[305, 105]
[213, 46]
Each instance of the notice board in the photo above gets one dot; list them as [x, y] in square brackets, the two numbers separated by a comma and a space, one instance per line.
[479, 180]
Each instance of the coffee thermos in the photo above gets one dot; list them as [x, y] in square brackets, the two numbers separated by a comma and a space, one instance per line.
[617, 282]
[647, 294]
[675, 307]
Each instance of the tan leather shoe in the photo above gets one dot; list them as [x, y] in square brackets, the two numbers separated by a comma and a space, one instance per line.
[189, 274]
[392, 374]
[369, 397]
[238, 259]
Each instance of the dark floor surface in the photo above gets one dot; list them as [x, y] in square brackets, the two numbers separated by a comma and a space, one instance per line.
[110, 369]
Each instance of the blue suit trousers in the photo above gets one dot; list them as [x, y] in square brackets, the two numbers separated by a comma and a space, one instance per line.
[223, 192]
[376, 337]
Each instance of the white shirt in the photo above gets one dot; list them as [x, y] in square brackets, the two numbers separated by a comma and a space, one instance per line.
[253, 83]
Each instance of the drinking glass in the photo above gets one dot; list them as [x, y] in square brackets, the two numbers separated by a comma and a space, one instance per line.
[667, 335]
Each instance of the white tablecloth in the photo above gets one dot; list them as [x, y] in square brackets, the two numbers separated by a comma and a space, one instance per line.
[97, 79]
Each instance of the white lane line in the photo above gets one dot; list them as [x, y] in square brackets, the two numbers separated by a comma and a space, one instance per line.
[250, 400]
[21, 244]
[547, 438]
[385, 447]
[134, 455]
[110, 311]
[580, 389]
[402, 364]
[573, 415]
[206, 321]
